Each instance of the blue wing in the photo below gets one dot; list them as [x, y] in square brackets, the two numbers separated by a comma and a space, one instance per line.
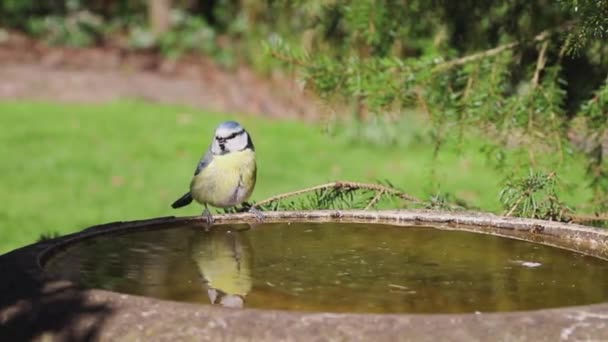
[206, 160]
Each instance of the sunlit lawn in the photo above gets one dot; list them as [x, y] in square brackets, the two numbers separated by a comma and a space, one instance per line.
[66, 167]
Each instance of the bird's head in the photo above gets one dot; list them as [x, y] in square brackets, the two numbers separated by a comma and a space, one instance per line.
[230, 137]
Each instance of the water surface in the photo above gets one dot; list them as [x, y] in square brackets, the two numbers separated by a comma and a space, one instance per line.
[336, 267]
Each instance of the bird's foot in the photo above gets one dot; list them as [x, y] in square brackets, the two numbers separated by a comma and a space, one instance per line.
[258, 213]
[208, 216]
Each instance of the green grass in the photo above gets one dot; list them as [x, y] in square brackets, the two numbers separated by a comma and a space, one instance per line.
[67, 167]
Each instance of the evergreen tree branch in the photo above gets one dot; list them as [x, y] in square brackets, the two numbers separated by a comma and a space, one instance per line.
[374, 200]
[341, 185]
[487, 53]
[515, 205]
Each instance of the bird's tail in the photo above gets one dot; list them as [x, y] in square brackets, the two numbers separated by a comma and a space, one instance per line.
[182, 201]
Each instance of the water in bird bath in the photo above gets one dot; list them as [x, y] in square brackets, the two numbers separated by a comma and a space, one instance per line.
[336, 267]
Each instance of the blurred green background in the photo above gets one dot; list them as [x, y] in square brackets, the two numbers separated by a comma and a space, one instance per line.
[68, 166]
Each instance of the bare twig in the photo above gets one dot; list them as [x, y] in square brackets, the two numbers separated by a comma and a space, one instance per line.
[541, 37]
[588, 218]
[487, 53]
[340, 185]
[540, 63]
[475, 56]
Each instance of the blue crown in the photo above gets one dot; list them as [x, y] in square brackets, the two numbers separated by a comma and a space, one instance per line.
[229, 125]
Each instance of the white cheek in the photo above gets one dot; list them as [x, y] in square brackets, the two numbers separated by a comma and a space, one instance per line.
[237, 144]
[215, 147]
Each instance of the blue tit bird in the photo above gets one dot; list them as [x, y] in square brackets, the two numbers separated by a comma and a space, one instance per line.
[226, 174]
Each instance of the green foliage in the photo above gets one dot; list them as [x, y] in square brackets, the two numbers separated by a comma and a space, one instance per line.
[79, 29]
[17, 13]
[188, 34]
[141, 38]
[591, 22]
[516, 89]
[534, 196]
[48, 236]
[331, 198]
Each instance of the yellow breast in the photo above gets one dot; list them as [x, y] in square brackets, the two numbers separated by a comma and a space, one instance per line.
[227, 181]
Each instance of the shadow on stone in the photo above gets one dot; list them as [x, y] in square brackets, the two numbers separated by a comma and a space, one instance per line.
[33, 306]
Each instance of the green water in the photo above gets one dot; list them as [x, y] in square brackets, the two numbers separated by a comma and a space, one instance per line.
[337, 268]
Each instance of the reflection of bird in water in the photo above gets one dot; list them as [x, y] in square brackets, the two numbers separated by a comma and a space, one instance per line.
[224, 262]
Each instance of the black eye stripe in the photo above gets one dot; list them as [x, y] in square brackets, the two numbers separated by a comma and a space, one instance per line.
[231, 136]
